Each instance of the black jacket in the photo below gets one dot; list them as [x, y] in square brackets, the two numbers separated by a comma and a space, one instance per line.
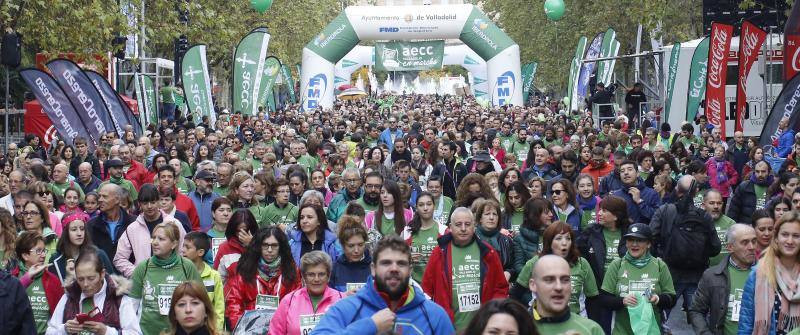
[602, 97]
[710, 303]
[16, 315]
[743, 203]
[592, 246]
[76, 162]
[451, 172]
[100, 234]
[504, 247]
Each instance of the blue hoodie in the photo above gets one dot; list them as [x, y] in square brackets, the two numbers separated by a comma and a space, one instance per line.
[642, 212]
[353, 315]
[344, 272]
[330, 245]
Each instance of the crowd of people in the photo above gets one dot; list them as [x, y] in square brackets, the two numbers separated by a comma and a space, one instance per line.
[431, 216]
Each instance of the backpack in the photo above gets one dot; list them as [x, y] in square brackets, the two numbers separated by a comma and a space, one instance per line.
[685, 240]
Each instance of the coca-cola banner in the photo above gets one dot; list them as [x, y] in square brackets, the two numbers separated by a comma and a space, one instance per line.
[791, 43]
[719, 45]
[750, 41]
[786, 106]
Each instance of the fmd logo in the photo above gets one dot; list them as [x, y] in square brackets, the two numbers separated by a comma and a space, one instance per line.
[388, 30]
[317, 87]
[504, 87]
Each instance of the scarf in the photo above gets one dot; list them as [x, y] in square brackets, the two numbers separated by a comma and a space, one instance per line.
[115, 180]
[270, 270]
[638, 262]
[587, 204]
[24, 269]
[787, 291]
[721, 177]
[765, 183]
[167, 263]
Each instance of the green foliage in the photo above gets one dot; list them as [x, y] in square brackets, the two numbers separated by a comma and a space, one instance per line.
[552, 44]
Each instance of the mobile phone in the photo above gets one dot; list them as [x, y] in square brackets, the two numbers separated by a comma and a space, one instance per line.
[93, 315]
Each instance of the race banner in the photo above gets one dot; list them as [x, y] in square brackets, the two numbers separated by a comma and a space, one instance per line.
[272, 67]
[57, 106]
[697, 79]
[150, 99]
[608, 73]
[786, 106]
[791, 44]
[83, 95]
[606, 49]
[140, 101]
[113, 101]
[750, 41]
[575, 72]
[197, 84]
[528, 73]
[674, 59]
[248, 64]
[720, 44]
[409, 56]
[286, 72]
[587, 69]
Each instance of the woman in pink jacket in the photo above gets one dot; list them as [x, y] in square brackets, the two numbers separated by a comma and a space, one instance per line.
[721, 174]
[136, 239]
[300, 311]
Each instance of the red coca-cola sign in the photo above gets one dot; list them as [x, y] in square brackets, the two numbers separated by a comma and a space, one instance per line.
[717, 72]
[752, 37]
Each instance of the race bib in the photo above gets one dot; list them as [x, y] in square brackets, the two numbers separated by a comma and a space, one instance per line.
[522, 156]
[165, 297]
[440, 218]
[264, 301]
[209, 284]
[761, 203]
[308, 322]
[355, 286]
[735, 304]
[469, 297]
[215, 244]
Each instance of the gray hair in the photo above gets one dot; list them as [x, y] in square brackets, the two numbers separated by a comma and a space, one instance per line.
[352, 170]
[314, 258]
[207, 165]
[734, 230]
[311, 193]
[462, 210]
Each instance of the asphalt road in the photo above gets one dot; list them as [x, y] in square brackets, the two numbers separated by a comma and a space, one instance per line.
[677, 321]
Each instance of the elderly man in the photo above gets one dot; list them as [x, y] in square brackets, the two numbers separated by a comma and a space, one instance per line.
[351, 191]
[713, 203]
[464, 267]
[550, 282]
[203, 196]
[715, 309]
[86, 180]
[108, 226]
[60, 181]
[16, 182]
[134, 171]
[224, 176]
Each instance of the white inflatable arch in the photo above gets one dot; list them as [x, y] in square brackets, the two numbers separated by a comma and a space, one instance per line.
[453, 55]
[357, 23]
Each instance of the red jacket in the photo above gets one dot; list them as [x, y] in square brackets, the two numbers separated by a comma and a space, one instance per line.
[137, 174]
[438, 280]
[598, 172]
[240, 296]
[186, 205]
[52, 286]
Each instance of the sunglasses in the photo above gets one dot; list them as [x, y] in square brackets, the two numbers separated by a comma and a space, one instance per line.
[558, 192]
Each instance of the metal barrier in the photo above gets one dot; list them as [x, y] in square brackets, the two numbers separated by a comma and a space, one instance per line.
[656, 106]
[598, 121]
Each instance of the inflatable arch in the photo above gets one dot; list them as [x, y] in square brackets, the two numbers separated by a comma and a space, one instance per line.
[465, 22]
[453, 55]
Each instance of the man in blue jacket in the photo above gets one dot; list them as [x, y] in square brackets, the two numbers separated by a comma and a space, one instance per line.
[387, 302]
[390, 134]
[642, 201]
[786, 140]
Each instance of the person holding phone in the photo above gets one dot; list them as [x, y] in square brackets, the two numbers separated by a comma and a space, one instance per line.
[93, 302]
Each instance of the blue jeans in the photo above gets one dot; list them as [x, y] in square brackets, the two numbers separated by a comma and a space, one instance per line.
[685, 290]
[168, 111]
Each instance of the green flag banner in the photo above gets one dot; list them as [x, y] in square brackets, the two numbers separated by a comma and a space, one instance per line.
[483, 36]
[671, 75]
[528, 73]
[248, 64]
[606, 50]
[272, 66]
[407, 56]
[197, 83]
[697, 79]
[336, 40]
[149, 95]
[286, 73]
[575, 69]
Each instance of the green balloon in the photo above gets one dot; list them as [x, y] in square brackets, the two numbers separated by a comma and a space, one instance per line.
[261, 6]
[554, 9]
[566, 101]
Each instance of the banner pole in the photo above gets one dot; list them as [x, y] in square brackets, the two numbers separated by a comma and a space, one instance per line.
[8, 93]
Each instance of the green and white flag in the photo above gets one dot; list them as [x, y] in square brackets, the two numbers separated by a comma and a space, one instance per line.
[248, 66]
[528, 73]
[609, 68]
[671, 75]
[197, 84]
[149, 100]
[697, 79]
[286, 73]
[272, 67]
[606, 50]
[575, 71]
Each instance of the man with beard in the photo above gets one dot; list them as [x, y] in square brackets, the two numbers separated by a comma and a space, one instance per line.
[203, 196]
[115, 167]
[715, 309]
[506, 137]
[429, 138]
[520, 148]
[713, 203]
[598, 167]
[569, 167]
[463, 272]
[399, 152]
[751, 194]
[642, 201]
[373, 182]
[387, 304]
[551, 284]
[350, 192]
[83, 156]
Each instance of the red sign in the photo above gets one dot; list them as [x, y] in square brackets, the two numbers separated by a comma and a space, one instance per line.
[717, 72]
[750, 41]
[37, 123]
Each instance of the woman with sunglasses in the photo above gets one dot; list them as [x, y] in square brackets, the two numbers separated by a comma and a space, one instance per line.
[562, 193]
[42, 193]
[42, 287]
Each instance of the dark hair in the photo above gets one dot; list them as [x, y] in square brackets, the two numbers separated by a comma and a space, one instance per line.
[696, 166]
[775, 203]
[148, 193]
[242, 215]
[508, 306]
[323, 220]
[759, 214]
[156, 157]
[200, 241]
[248, 264]
[167, 193]
[549, 235]
[350, 226]
[65, 246]
[219, 202]
[533, 212]
[519, 187]
[355, 209]
[416, 223]
[28, 239]
[783, 179]
[503, 174]
[167, 168]
[480, 209]
[619, 208]
[391, 242]
[89, 255]
[399, 210]
[569, 188]
[569, 156]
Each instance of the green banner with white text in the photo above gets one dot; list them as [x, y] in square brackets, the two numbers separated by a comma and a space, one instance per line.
[408, 56]
[272, 67]
[286, 73]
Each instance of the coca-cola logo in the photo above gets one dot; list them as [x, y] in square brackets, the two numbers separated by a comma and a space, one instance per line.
[792, 47]
[749, 42]
[719, 44]
[713, 111]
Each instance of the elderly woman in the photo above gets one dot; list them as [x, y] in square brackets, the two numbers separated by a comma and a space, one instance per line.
[300, 311]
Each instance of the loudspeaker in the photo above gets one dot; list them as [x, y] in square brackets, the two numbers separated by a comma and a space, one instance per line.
[11, 49]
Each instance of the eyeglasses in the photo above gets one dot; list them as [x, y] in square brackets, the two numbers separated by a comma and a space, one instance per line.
[372, 186]
[43, 193]
[38, 251]
[30, 213]
[269, 246]
[558, 192]
[351, 181]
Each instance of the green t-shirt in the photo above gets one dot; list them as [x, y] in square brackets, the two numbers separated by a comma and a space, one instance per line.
[59, 189]
[516, 219]
[623, 279]
[761, 196]
[222, 190]
[588, 218]
[466, 283]
[387, 225]
[275, 215]
[721, 226]
[441, 209]
[736, 280]
[521, 150]
[423, 242]
[506, 141]
[38, 300]
[575, 325]
[612, 243]
[308, 163]
[154, 286]
[581, 278]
